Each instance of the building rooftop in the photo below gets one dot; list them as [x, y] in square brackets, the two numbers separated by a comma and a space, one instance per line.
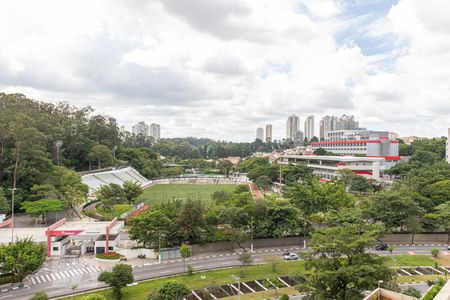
[336, 158]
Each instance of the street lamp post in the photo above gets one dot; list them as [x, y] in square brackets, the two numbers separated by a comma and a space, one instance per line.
[379, 288]
[238, 279]
[12, 213]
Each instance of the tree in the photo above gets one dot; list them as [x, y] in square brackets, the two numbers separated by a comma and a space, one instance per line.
[263, 182]
[313, 197]
[339, 265]
[438, 192]
[39, 296]
[394, 207]
[22, 258]
[245, 258]
[185, 252]
[151, 228]
[173, 290]
[273, 261]
[4, 204]
[100, 154]
[239, 236]
[414, 225]
[69, 187]
[435, 252]
[42, 207]
[441, 216]
[131, 191]
[220, 197]
[118, 278]
[225, 166]
[112, 192]
[190, 220]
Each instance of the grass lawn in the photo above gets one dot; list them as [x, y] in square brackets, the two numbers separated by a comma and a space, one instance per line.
[205, 279]
[418, 278]
[265, 294]
[116, 212]
[160, 193]
[411, 260]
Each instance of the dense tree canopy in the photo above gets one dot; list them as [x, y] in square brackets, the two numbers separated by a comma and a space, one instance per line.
[339, 265]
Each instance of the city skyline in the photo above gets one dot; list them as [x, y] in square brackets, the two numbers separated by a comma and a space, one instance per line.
[384, 62]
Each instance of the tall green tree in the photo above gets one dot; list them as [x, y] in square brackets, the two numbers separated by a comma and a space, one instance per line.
[340, 266]
[100, 154]
[185, 252]
[4, 204]
[393, 208]
[22, 258]
[314, 197]
[112, 192]
[191, 221]
[152, 228]
[118, 278]
[131, 191]
[441, 216]
[42, 207]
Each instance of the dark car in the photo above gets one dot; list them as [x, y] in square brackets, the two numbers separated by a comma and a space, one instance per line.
[381, 247]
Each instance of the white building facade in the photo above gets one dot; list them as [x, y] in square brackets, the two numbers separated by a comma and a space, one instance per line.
[141, 128]
[327, 167]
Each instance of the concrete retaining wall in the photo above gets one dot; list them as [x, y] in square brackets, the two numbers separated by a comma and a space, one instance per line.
[133, 253]
[259, 243]
[400, 238]
[405, 238]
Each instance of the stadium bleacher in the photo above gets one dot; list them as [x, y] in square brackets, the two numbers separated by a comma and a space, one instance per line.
[95, 180]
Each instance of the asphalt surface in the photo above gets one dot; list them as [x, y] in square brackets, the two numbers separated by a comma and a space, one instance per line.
[70, 275]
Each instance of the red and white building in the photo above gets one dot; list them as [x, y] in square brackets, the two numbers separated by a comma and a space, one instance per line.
[327, 167]
[366, 143]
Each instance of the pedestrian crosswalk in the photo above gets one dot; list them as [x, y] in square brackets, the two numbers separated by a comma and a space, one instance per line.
[65, 274]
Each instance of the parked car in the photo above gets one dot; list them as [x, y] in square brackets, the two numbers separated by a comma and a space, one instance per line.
[290, 256]
[448, 247]
[381, 247]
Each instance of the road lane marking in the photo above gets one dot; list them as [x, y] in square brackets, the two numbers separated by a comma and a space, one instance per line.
[53, 276]
[42, 278]
[48, 277]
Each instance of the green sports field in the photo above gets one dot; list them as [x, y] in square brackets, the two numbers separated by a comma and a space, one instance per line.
[163, 192]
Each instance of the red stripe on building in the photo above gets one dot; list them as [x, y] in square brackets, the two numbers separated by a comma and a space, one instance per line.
[387, 157]
[346, 142]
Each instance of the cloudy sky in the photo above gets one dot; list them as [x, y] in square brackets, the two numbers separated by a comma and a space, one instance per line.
[221, 68]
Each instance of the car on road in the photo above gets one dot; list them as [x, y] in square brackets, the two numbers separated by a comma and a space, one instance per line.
[381, 247]
[448, 247]
[290, 256]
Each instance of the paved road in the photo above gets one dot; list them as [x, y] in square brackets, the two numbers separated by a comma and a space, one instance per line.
[58, 277]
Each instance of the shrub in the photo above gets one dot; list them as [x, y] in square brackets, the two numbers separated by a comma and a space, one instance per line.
[435, 252]
[412, 291]
[284, 297]
[173, 290]
[110, 255]
[190, 270]
[39, 296]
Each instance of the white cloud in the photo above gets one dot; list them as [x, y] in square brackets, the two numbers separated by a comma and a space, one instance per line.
[222, 68]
